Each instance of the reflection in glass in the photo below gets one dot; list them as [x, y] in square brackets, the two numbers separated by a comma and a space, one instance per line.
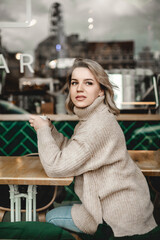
[123, 36]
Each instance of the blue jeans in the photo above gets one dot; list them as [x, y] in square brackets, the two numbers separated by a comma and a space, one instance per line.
[61, 217]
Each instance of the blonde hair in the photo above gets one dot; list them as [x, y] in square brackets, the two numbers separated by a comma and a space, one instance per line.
[101, 76]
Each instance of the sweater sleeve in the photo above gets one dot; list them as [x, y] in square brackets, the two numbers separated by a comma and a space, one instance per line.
[65, 162]
[60, 140]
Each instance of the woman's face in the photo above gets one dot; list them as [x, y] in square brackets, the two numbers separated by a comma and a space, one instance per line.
[84, 88]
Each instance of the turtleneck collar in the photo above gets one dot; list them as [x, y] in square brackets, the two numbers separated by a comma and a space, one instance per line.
[84, 113]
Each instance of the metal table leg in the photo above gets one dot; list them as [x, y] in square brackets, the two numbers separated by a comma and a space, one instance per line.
[15, 203]
[12, 201]
[34, 202]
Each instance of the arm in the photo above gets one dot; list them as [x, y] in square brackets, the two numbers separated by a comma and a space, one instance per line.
[91, 147]
[39, 122]
[59, 138]
[60, 163]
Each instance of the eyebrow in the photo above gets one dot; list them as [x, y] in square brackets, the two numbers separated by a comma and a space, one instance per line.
[86, 79]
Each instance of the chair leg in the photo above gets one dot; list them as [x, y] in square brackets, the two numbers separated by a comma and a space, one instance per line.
[42, 216]
[2, 212]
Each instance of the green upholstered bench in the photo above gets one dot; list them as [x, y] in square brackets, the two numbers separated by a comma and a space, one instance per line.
[33, 230]
[47, 231]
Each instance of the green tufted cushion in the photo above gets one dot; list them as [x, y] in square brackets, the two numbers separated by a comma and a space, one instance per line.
[33, 230]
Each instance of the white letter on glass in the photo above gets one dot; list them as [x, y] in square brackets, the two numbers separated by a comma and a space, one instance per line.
[28, 64]
[2, 61]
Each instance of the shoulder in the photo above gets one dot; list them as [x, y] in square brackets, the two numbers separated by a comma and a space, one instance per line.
[99, 130]
[103, 118]
[99, 122]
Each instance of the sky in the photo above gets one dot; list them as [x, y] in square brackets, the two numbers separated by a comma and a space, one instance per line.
[113, 20]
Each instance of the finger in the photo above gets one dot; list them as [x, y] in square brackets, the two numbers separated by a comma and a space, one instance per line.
[30, 121]
[32, 117]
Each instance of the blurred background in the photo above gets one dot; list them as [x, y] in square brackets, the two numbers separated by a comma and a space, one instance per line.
[39, 41]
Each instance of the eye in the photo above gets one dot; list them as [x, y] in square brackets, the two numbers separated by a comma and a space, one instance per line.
[73, 83]
[89, 83]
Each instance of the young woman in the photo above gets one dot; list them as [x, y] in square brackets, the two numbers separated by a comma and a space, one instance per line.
[109, 184]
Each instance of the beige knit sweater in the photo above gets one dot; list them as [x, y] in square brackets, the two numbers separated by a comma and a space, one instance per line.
[109, 184]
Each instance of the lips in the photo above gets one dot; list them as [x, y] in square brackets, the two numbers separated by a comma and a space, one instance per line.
[80, 98]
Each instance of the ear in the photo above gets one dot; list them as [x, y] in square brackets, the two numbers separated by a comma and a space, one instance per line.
[101, 93]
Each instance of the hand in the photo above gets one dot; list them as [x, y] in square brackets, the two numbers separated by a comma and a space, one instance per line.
[37, 122]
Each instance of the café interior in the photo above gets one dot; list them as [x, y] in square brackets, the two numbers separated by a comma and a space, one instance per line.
[39, 41]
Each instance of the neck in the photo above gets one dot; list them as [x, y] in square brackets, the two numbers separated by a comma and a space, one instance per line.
[84, 113]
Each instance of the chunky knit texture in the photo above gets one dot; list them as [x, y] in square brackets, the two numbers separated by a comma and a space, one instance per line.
[109, 184]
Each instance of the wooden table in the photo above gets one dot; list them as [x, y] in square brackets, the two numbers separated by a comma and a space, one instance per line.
[148, 161]
[25, 170]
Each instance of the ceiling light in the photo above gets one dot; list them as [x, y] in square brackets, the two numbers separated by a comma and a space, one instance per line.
[90, 20]
[90, 26]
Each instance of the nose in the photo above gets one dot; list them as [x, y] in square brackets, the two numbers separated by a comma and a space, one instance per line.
[80, 87]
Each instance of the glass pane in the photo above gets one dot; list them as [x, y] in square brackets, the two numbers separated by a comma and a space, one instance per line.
[46, 36]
